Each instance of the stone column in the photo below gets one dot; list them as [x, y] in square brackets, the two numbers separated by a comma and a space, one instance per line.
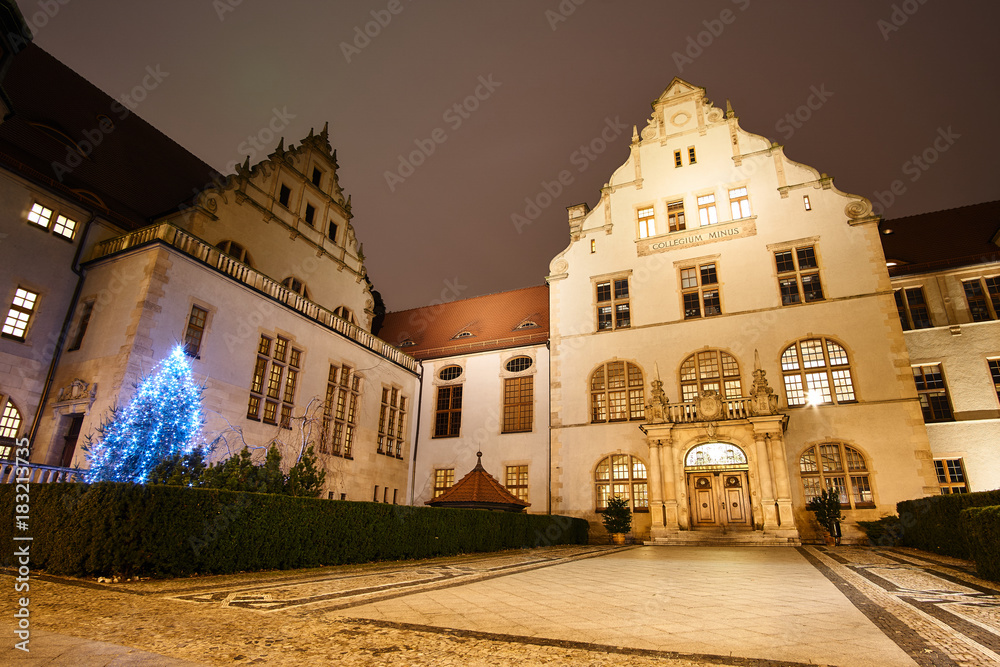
[655, 489]
[764, 467]
[782, 483]
[668, 457]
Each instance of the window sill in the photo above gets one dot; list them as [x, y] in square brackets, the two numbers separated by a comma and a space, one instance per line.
[19, 339]
[436, 437]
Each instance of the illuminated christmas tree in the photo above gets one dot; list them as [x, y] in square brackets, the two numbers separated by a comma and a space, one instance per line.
[164, 418]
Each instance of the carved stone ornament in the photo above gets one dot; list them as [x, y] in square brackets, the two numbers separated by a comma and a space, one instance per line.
[763, 400]
[708, 405]
[656, 409]
[858, 209]
[75, 397]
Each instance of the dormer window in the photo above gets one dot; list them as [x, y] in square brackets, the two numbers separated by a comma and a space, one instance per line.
[236, 251]
[527, 324]
[463, 334]
[296, 286]
[310, 214]
[407, 343]
[284, 195]
[317, 177]
[344, 313]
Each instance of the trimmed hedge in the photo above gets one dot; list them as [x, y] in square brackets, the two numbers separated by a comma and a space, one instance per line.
[113, 528]
[981, 526]
[932, 523]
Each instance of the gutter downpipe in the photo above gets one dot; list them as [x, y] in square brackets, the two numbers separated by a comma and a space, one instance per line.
[416, 437]
[63, 333]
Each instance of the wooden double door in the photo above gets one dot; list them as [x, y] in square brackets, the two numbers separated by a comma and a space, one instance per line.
[719, 499]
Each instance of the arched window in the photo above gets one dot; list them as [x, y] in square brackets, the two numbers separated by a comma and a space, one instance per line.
[815, 371]
[616, 393]
[344, 313]
[625, 476]
[710, 370]
[10, 424]
[296, 286]
[836, 466]
[236, 251]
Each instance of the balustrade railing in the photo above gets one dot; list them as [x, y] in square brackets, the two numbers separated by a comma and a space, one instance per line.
[11, 472]
[194, 247]
[732, 408]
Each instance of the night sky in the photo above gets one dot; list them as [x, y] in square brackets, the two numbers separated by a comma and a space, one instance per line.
[887, 78]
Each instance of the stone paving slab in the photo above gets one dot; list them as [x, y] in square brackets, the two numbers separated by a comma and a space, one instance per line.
[50, 648]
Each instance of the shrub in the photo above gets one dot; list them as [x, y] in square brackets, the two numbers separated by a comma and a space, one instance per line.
[117, 528]
[883, 532]
[981, 526]
[932, 523]
[617, 515]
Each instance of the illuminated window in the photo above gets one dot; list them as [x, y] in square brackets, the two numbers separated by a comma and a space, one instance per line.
[798, 275]
[518, 404]
[933, 393]
[616, 393]
[613, 304]
[625, 476]
[340, 411]
[647, 222]
[448, 413]
[517, 481]
[983, 296]
[675, 216]
[21, 310]
[816, 371]
[678, 162]
[806, 203]
[912, 308]
[710, 370]
[40, 215]
[10, 421]
[195, 331]
[839, 468]
[444, 479]
[707, 212]
[64, 227]
[273, 383]
[593, 246]
[692, 159]
[994, 365]
[739, 203]
[951, 476]
[700, 291]
[390, 422]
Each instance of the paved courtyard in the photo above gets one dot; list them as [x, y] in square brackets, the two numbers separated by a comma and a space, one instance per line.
[561, 605]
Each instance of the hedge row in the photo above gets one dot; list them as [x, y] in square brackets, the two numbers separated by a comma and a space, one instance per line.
[932, 523]
[981, 526]
[111, 528]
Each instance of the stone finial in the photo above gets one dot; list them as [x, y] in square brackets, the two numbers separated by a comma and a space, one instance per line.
[729, 110]
[763, 400]
[635, 135]
[657, 409]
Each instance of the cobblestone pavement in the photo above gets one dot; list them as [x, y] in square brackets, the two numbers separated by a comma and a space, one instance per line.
[641, 605]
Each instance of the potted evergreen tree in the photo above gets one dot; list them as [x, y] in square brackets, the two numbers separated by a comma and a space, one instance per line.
[826, 507]
[618, 519]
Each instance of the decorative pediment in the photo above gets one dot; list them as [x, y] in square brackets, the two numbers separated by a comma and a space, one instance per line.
[75, 397]
[677, 88]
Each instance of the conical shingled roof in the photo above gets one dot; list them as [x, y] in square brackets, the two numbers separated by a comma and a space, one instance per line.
[479, 490]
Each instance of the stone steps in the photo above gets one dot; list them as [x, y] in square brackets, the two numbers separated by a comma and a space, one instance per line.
[733, 539]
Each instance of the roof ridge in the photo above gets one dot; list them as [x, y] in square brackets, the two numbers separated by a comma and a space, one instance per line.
[468, 298]
[944, 210]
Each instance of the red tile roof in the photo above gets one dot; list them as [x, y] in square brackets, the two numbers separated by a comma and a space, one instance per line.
[492, 320]
[479, 489]
[136, 170]
[942, 239]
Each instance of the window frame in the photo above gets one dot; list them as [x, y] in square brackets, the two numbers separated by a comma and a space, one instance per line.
[391, 421]
[82, 323]
[340, 410]
[444, 479]
[277, 366]
[635, 485]
[699, 289]
[676, 218]
[993, 365]
[516, 480]
[905, 306]
[725, 380]
[798, 275]
[951, 476]
[989, 295]
[707, 210]
[850, 477]
[933, 411]
[20, 314]
[631, 394]
[647, 223]
[55, 222]
[741, 202]
[193, 328]
[806, 367]
[614, 303]
[451, 427]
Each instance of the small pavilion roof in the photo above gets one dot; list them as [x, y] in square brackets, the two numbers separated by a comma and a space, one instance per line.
[479, 490]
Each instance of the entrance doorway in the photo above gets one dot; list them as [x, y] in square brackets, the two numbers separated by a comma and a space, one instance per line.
[70, 440]
[718, 488]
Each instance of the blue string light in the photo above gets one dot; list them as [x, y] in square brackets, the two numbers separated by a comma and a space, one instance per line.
[162, 419]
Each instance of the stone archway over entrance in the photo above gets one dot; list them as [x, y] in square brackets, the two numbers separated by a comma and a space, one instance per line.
[718, 488]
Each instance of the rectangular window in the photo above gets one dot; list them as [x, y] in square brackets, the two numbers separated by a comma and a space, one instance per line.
[517, 481]
[86, 310]
[912, 308]
[448, 416]
[40, 215]
[310, 214]
[706, 210]
[994, 365]
[340, 410]
[983, 296]
[273, 381]
[798, 275]
[806, 203]
[647, 223]
[317, 177]
[678, 162]
[284, 195]
[64, 227]
[692, 159]
[390, 422]
[675, 216]
[951, 476]
[444, 478]
[613, 310]
[375, 497]
[518, 404]
[332, 231]
[700, 291]
[933, 393]
[21, 310]
[195, 331]
[739, 203]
